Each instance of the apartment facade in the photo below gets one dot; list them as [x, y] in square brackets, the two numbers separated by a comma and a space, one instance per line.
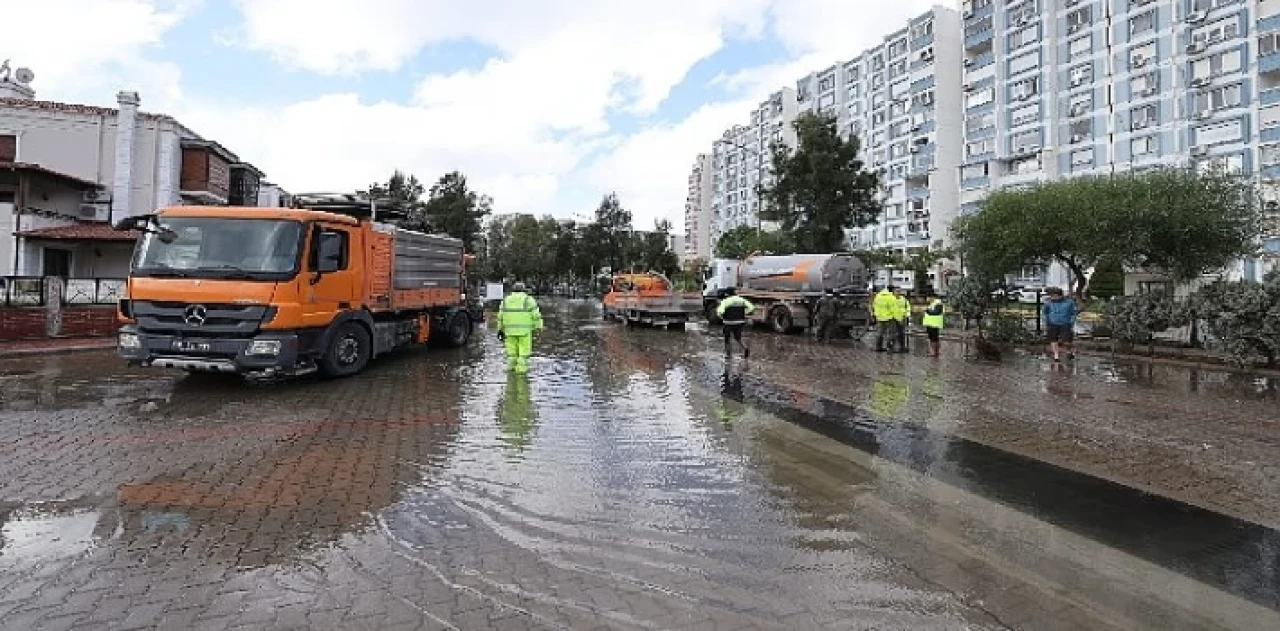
[1062, 88]
[697, 211]
[740, 162]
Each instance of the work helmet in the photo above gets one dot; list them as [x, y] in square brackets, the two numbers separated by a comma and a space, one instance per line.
[517, 286]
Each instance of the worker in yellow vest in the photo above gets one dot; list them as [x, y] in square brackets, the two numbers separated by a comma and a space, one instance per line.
[933, 320]
[518, 318]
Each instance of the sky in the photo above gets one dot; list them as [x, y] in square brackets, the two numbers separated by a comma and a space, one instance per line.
[545, 105]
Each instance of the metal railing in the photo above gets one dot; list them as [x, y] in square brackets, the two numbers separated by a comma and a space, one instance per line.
[92, 291]
[33, 291]
[22, 291]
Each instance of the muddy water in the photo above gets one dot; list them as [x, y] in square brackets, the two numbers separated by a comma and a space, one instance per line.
[631, 481]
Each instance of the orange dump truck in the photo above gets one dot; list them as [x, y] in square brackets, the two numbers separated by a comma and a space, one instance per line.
[649, 298]
[264, 291]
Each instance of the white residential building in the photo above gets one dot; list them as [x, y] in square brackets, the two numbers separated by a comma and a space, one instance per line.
[740, 161]
[68, 171]
[697, 211]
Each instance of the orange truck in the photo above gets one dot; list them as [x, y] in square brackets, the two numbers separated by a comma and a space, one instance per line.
[326, 285]
[649, 298]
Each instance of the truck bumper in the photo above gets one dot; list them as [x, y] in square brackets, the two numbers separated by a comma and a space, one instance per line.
[263, 353]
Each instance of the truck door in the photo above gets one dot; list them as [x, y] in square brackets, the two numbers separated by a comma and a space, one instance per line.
[333, 271]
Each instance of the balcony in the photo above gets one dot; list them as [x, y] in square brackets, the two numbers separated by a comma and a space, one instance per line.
[1269, 97]
[920, 167]
[206, 172]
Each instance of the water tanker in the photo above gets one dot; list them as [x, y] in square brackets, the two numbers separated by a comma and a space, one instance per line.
[785, 289]
[803, 273]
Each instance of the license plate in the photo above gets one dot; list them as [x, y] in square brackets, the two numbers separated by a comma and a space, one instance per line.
[183, 345]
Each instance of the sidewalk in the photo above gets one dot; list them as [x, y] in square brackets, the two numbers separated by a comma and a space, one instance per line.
[21, 348]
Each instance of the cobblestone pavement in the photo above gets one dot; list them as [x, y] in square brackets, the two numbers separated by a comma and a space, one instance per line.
[622, 486]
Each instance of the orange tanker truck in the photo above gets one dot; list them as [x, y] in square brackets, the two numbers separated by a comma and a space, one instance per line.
[326, 285]
[649, 298]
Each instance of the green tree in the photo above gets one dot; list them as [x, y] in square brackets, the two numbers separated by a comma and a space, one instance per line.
[971, 297]
[456, 210]
[1180, 222]
[614, 223]
[1107, 281]
[740, 242]
[822, 188]
[402, 192]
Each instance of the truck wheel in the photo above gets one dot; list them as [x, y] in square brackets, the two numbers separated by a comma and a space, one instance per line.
[348, 351]
[712, 318]
[780, 319]
[458, 331]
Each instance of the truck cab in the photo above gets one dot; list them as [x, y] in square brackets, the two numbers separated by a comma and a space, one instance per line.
[266, 291]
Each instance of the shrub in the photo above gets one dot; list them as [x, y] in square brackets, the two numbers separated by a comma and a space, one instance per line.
[1136, 319]
[1244, 316]
[1009, 329]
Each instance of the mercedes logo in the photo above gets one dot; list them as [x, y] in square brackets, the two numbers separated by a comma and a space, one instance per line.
[195, 315]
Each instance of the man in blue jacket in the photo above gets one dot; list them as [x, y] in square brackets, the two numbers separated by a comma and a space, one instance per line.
[1060, 314]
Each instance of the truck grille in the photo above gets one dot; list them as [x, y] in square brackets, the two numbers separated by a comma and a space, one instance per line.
[204, 320]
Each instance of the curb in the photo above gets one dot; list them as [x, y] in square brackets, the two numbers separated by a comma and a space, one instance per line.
[80, 347]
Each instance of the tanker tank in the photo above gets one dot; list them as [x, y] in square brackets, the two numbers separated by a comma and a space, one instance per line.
[803, 273]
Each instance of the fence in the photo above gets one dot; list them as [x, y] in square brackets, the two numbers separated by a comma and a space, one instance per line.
[92, 291]
[22, 291]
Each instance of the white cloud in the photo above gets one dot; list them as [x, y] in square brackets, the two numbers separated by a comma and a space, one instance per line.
[86, 50]
[530, 126]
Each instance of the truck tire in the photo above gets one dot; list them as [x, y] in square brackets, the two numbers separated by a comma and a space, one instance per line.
[710, 309]
[780, 319]
[458, 330]
[348, 352]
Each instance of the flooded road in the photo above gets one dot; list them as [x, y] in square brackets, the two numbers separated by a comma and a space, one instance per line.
[633, 481]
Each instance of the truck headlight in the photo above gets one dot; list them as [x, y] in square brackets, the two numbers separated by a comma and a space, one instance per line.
[263, 347]
[130, 340]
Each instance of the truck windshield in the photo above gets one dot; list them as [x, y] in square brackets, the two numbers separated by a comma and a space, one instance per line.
[216, 247]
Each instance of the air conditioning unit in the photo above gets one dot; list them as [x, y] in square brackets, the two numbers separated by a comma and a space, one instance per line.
[967, 87]
[1077, 109]
[1199, 81]
[88, 211]
[1202, 114]
[914, 149]
[1150, 91]
[1195, 47]
[1139, 123]
[968, 63]
[1022, 96]
[1076, 138]
[1073, 28]
[97, 196]
[925, 235]
[1138, 61]
[1199, 150]
[968, 13]
[1023, 20]
[926, 54]
[1195, 17]
[915, 127]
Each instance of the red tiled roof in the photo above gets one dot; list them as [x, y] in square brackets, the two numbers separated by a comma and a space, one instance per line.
[31, 166]
[81, 232]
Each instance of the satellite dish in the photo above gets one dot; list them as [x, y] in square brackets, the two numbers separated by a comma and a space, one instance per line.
[24, 75]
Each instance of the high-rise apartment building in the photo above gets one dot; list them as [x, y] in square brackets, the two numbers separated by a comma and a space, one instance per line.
[1062, 88]
[1016, 92]
[697, 211]
[740, 161]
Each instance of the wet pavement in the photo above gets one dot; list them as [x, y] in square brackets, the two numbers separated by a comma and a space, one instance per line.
[637, 481]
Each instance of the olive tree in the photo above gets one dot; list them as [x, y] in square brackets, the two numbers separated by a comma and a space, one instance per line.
[1181, 222]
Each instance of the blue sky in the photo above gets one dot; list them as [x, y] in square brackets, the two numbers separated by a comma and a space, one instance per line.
[545, 104]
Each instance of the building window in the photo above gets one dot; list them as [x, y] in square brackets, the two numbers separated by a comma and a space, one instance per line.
[1025, 115]
[1232, 163]
[1142, 23]
[1023, 63]
[980, 122]
[980, 147]
[974, 171]
[924, 29]
[1024, 89]
[1219, 31]
[1081, 47]
[1219, 98]
[1026, 139]
[1144, 146]
[899, 108]
[898, 68]
[1082, 157]
[1078, 19]
[1081, 104]
[898, 48]
[980, 97]
[851, 73]
[1026, 166]
[1269, 154]
[827, 83]
[826, 101]
[1020, 38]
[1228, 62]
[1081, 130]
[1080, 75]
[8, 148]
[1269, 43]
[1144, 85]
[1145, 116]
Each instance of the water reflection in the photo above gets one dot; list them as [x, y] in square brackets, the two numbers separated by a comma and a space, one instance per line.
[517, 415]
